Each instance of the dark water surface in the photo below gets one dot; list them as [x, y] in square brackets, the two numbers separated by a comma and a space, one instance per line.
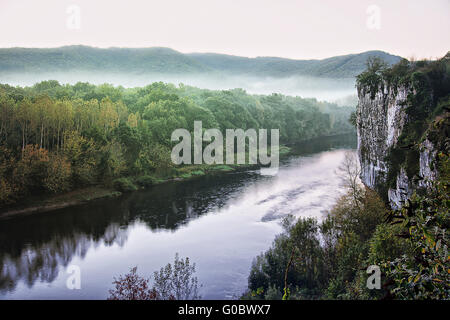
[220, 222]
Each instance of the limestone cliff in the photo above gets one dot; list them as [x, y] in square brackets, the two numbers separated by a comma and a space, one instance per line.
[380, 122]
[397, 154]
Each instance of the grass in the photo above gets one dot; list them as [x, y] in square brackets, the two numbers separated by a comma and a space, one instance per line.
[222, 167]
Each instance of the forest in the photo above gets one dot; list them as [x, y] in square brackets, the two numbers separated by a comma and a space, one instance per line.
[55, 138]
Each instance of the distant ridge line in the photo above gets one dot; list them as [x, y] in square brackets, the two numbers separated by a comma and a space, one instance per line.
[168, 61]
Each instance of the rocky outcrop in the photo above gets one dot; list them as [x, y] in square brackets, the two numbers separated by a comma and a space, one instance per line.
[428, 171]
[397, 196]
[381, 119]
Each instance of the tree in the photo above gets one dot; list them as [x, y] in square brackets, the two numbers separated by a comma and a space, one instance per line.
[351, 172]
[31, 169]
[131, 286]
[82, 153]
[58, 174]
[175, 282]
[375, 65]
[373, 76]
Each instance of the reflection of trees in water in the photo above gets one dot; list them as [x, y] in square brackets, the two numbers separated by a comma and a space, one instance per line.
[172, 205]
[324, 144]
[34, 248]
[41, 263]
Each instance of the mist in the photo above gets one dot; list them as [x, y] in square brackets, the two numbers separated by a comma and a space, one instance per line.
[323, 89]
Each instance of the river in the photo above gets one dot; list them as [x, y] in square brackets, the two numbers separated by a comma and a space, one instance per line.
[220, 222]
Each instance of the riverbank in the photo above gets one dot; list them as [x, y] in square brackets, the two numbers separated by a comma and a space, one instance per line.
[47, 203]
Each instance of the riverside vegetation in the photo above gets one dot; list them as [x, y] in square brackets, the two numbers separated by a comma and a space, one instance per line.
[56, 138]
[328, 260]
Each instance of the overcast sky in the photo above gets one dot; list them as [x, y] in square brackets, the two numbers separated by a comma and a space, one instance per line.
[287, 28]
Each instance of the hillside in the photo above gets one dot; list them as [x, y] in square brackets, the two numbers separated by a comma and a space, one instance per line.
[83, 58]
[168, 61]
[347, 66]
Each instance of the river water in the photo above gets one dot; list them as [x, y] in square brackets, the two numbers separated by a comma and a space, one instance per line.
[220, 222]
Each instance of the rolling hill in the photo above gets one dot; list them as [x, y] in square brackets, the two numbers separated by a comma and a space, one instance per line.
[347, 66]
[169, 61]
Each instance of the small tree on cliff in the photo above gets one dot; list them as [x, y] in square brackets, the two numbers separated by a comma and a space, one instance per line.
[373, 75]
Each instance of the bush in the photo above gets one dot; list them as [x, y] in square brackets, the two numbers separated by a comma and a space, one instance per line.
[198, 173]
[386, 245]
[424, 273]
[146, 181]
[131, 287]
[177, 281]
[273, 293]
[124, 185]
[222, 167]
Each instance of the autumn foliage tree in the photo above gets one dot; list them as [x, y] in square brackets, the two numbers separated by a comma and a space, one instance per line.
[173, 282]
[131, 286]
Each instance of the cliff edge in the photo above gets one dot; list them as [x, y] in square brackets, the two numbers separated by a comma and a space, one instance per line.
[402, 123]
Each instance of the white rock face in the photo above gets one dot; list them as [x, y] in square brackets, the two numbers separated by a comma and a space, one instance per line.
[396, 117]
[380, 122]
[428, 172]
[398, 196]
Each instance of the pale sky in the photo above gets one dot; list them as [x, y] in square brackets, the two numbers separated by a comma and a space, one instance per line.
[286, 28]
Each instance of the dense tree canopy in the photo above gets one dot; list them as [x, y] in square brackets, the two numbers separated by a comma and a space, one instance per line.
[57, 137]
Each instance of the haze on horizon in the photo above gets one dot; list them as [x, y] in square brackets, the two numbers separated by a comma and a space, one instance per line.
[291, 28]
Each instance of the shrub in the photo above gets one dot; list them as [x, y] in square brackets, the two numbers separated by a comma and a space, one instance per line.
[386, 245]
[198, 173]
[175, 282]
[273, 293]
[131, 286]
[424, 273]
[222, 167]
[124, 185]
[145, 181]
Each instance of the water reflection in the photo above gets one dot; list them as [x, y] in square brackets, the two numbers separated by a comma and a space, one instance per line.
[33, 248]
[36, 248]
